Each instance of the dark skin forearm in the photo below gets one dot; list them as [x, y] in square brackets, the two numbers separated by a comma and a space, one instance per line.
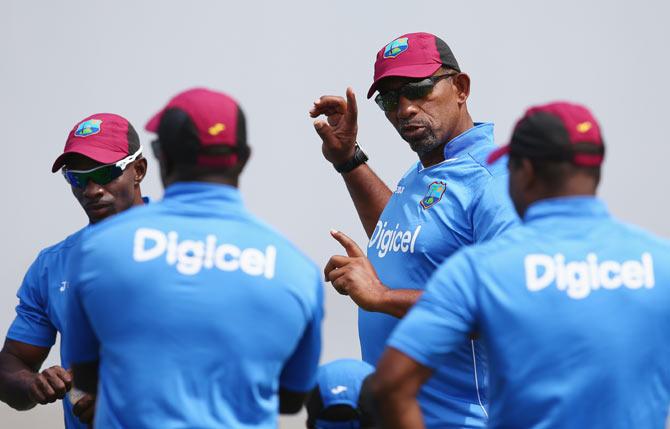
[22, 386]
[369, 194]
[338, 136]
[15, 381]
[394, 387]
[400, 412]
[19, 364]
[397, 302]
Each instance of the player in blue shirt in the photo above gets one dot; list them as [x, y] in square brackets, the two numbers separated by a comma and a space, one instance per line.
[572, 306]
[102, 163]
[450, 198]
[191, 312]
[335, 403]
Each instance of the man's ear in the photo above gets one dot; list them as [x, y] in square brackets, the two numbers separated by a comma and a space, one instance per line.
[243, 157]
[462, 83]
[528, 174]
[140, 168]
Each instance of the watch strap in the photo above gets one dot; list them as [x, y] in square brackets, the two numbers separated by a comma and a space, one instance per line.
[359, 158]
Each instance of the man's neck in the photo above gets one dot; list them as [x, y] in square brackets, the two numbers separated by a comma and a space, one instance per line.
[204, 178]
[137, 199]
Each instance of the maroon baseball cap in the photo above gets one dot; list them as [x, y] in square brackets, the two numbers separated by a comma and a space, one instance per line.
[414, 55]
[202, 126]
[557, 131]
[103, 137]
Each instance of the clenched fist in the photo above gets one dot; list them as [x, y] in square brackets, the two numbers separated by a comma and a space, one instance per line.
[51, 384]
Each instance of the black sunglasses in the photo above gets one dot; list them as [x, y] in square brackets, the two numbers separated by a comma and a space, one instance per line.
[388, 100]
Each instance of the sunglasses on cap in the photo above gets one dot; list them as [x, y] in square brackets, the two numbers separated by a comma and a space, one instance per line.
[101, 175]
[388, 100]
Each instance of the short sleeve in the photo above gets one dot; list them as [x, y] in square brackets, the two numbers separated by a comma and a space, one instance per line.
[32, 324]
[81, 343]
[299, 372]
[444, 317]
[493, 211]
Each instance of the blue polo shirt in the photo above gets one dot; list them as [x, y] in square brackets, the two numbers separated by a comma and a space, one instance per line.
[434, 212]
[43, 295]
[197, 311]
[573, 310]
[40, 314]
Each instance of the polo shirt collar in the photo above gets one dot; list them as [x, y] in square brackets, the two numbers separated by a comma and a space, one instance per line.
[568, 207]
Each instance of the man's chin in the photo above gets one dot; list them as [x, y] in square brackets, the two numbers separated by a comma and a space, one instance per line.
[95, 216]
[421, 148]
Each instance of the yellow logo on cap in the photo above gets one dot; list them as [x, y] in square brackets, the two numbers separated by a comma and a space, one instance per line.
[216, 129]
[584, 126]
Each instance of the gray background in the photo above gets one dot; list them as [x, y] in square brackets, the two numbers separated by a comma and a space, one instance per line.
[63, 60]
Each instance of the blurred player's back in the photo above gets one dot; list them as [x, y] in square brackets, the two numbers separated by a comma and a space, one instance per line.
[589, 343]
[194, 313]
[200, 317]
[572, 305]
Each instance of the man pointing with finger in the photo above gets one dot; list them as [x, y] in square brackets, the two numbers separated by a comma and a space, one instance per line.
[450, 198]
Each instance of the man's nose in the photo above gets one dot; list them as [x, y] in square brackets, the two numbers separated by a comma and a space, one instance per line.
[92, 190]
[406, 108]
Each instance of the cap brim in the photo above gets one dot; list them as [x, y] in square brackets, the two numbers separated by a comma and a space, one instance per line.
[333, 424]
[101, 156]
[411, 71]
[497, 154]
[338, 401]
[154, 122]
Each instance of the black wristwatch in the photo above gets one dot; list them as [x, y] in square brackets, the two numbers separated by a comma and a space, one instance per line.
[359, 158]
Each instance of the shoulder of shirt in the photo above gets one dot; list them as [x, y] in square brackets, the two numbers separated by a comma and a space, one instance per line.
[413, 169]
[511, 240]
[520, 237]
[471, 163]
[642, 234]
[67, 243]
[479, 155]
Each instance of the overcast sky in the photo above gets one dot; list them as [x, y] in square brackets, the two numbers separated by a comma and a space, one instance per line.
[61, 61]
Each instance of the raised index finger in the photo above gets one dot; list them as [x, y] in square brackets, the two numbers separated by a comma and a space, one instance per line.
[349, 245]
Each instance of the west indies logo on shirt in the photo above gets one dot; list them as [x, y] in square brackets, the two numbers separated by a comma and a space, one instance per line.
[434, 194]
[88, 128]
[397, 47]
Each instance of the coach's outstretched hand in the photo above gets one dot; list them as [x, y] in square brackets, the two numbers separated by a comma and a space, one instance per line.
[338, 131]
[51, 384]
[355, 276]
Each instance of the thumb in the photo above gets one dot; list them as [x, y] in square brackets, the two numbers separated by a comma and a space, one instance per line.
[349, 245]
[352, 108]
